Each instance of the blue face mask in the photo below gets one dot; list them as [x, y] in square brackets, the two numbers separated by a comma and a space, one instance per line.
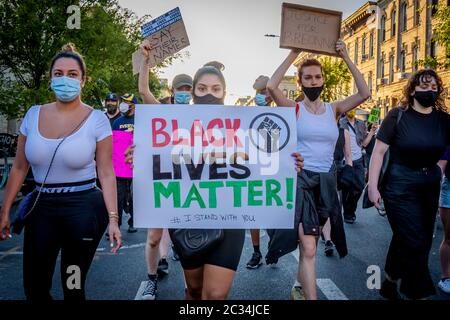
[260, 99]
[65, 88]
[182, 97]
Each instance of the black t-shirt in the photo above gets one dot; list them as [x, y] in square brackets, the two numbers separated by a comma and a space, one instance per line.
[418, 140]
[111, 120]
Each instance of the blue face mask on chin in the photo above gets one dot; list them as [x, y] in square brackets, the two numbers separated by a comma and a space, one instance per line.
[66, 89]
[260, 99]
[182, 97]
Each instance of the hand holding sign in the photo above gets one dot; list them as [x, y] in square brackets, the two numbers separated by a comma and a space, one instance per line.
[341, 49]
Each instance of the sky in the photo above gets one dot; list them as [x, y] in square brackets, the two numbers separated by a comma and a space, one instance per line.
[232, 32]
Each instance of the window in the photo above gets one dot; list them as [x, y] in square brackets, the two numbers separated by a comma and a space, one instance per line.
[391, 68]
[433, 48]
[363, 47]
[416, 13]
[355, 58]
[393, 22]
[382, 66]
[369, 82]
[415, 57]
[371, 45]
[383, 28]
[434, 5]
[402, 61]
[403, 17]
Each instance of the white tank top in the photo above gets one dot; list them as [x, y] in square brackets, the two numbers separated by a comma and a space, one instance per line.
[316, 138]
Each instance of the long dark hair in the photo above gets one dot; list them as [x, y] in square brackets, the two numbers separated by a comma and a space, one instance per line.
[423, 76]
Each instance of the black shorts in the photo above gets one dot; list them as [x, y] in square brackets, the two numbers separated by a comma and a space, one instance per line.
[226, 255]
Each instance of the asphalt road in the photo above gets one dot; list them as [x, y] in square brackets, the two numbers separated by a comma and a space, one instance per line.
[119, 277]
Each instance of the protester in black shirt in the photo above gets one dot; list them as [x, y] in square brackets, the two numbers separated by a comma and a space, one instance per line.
[410, 187]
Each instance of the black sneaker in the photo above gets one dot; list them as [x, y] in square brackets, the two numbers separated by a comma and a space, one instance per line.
[329, 248]
[389, 291]
[255, 261]
[150, 290]
[163, 268]
[350, 220]
[175, 256]
[271, 261]
[132, 229]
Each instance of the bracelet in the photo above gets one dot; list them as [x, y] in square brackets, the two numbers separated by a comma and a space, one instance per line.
[114, 215]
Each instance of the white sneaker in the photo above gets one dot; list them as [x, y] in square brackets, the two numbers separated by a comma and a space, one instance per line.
[444, 285]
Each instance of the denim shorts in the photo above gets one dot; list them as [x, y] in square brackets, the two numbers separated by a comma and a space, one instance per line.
[444, 201]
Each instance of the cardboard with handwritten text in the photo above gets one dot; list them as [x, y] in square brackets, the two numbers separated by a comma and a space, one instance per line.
[311, 29]
[167, 36]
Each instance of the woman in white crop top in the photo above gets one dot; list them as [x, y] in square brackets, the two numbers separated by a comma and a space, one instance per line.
[317, 133]
[70, 214]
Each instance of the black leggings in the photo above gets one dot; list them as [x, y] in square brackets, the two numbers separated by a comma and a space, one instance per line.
[411, 201]
[226, 255]
[72, 223]
[124, 195]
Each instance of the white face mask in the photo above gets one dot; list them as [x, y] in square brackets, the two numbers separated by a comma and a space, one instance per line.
[124, 107]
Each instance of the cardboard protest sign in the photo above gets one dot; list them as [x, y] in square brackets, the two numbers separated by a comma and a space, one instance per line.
[167, 36]
[202, 166]
[121, 140]
[310, 29]
[374, 115]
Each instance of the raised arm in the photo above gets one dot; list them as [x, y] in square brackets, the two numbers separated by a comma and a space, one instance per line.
[275, 80]
[363, 92]
[144, 90]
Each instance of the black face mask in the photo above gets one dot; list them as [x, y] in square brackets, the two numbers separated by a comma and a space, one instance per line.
[312, 92]
[208, 99]
[427, 99]
[111, 109]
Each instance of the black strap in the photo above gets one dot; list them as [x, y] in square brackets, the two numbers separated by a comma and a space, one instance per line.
[53, 158]
[351, 127]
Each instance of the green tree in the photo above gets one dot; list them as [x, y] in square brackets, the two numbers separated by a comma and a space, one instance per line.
[34, 31]
[337, 78]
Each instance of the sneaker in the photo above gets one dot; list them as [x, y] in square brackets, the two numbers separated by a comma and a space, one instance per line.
[255, 261]
[350, 220]
[163, 268]
[107, 235]
[389, 290]
[297, 293]
[175, 256]
[271, 262]
[329, 248]
[444, 285]
[132, 229]
[150, 290]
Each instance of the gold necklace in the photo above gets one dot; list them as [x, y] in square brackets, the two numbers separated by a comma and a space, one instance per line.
[314, 111]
